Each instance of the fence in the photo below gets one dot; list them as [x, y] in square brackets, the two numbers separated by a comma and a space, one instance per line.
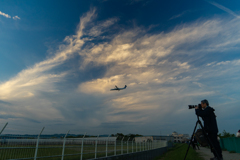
[32, 147]
[144, 155]
[230, 144]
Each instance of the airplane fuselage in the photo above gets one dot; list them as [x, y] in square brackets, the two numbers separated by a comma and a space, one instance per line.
[118, 89]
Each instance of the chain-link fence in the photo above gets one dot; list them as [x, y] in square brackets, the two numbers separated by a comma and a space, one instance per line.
[32, 147]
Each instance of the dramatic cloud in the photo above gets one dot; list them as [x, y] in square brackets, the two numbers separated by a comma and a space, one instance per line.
[38, 76]
[24, 89]
[164, 71]
[156, 75]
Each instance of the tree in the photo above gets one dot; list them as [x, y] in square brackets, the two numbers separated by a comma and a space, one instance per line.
[225, 134]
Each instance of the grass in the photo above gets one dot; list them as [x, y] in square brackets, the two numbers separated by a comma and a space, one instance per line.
[51, 150]
[178, 153]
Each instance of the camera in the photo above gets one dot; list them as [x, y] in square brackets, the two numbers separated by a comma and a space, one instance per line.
[193, 106]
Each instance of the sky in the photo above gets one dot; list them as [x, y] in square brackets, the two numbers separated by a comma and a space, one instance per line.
[59, 60]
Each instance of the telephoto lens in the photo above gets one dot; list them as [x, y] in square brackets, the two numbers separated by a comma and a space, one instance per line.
[191, 106]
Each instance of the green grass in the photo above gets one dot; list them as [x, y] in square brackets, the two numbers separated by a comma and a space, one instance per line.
[178, 153]
[88, 151]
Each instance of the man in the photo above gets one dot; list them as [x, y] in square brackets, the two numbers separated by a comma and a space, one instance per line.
[210, 126]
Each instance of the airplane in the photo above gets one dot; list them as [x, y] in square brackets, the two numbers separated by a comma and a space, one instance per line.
[118, 89]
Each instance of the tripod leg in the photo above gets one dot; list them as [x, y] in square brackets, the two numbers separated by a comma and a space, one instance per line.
[209, 141]
[191, 140]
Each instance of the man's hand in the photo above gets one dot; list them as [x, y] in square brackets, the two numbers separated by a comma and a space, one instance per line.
[196, 107]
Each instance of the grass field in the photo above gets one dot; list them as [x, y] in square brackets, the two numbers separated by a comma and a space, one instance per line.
[88, 151]
[27, 151]
[178, 153]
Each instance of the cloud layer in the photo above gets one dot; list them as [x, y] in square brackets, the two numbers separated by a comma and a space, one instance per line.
[164, 71]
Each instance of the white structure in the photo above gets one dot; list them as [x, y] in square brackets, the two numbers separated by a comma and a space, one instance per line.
[238, 134]
[180, 137]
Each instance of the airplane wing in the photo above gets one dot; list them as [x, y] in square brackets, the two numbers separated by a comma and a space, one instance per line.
[116, 87]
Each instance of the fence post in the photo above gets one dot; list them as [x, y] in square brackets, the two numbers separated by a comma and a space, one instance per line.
[96, 147]
[136, 145]
[64, 140]
[132, 145]
[115, 147]
[154, 144]
[127, 144]
[36, 150]
[160, 143]
[82, 145]
[140, 146]
[107, 146]
[3, 128]
[122, 145]
[143, 145]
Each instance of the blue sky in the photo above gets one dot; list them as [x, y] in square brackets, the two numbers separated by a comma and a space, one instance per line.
[59, 60]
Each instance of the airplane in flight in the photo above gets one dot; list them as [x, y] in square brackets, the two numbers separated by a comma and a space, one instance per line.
[118, 89]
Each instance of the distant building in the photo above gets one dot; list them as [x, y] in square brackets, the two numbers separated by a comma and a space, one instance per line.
[180, 137]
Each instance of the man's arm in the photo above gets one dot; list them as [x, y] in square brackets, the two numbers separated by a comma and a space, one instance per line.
[202, 113]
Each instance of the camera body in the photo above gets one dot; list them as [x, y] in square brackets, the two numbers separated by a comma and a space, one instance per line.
[193, 106]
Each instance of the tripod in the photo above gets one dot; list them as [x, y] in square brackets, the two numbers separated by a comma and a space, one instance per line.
[205, 135]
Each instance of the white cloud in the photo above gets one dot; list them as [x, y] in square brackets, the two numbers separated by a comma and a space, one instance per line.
[5, 15]
[224, 8]
[8, 16]
[179, 15]
[159, 68]
[222, 63]
[156, 78]
[36, 77]
[101, 27]
[16, 17]
[142, 61]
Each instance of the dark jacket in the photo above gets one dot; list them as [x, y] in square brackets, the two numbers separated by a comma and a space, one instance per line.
[209, 118]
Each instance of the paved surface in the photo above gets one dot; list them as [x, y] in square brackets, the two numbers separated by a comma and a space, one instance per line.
[207, 154]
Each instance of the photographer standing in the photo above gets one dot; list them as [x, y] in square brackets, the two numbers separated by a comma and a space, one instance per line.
[210, 126]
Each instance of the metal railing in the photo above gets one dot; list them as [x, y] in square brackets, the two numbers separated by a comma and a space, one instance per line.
[26, 147]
